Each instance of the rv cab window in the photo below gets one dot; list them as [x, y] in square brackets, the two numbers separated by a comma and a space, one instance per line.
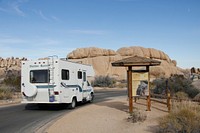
[39, 76]
[65, 74]
[79, 75]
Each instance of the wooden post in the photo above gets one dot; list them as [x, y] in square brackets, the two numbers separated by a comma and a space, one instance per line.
[168, 97]
[167, 92]
[149, 96]
[130, 89]
[169, 101]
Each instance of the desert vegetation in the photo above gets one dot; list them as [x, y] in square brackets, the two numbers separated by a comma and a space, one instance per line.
[9, 85]
[104, 81]
[178, 86]
[137, 116]
[184, 118]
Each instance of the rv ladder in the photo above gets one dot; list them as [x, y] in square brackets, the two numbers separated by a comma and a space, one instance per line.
[51, 67]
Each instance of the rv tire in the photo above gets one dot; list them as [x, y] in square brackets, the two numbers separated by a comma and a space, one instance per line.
[91, 97]
[72, 105]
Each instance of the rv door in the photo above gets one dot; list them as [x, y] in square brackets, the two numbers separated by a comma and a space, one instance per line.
[84, 85]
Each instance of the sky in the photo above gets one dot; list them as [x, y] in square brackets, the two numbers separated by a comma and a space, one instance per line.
[40, 28]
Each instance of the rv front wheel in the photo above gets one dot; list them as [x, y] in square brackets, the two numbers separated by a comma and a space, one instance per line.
[72, 105]
[91, 97]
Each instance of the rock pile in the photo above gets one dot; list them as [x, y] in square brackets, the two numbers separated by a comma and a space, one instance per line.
[10, 64]
[101, 60]
[195, 70]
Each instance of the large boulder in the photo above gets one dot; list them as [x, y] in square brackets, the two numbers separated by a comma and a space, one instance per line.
[101, 60]
[90, 52]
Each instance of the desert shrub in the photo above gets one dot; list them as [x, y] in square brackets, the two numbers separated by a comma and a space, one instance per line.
[159, 85]
[103, 81]
[181, 95]
[137, 116]
[13, 80]
[197, 97]
[176, 83]
[121, 83]
[5, 93]
[184, 118]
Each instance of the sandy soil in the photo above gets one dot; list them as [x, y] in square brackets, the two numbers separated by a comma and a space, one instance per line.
[110, 116]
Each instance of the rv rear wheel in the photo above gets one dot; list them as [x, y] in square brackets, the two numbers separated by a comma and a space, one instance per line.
[72, 105]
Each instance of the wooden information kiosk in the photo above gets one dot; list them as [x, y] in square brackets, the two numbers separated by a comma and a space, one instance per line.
[137, 78]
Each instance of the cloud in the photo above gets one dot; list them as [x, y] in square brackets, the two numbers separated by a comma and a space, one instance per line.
[55, 18]
[89, 32]
[10, 6]
[40, 13]
[46, 17]
[35, 53]
[32, 48]
[5, 40]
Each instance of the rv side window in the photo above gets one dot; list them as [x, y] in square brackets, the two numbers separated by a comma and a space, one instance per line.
[79, 75]
[84, 76]
[39, 76]
[65, 74]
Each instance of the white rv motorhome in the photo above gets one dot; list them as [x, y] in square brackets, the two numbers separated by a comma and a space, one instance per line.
[56, 80]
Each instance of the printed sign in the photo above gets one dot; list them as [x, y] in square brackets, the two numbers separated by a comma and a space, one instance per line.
[140, 84]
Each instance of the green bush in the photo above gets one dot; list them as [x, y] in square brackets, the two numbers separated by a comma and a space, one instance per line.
[176, 83]
[103, 81]
[184, 118]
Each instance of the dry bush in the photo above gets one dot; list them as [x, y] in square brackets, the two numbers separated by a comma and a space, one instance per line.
[13, 80]
[137, 116]
[181, 95]
[184, 118]
[104, 81]
[197, 98]
[5, 93]
[121, 84]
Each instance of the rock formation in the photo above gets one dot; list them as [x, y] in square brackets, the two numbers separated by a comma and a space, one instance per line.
[101, 60]
[195, 70]
[10, 65]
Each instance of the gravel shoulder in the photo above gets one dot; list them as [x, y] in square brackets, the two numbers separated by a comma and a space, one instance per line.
[108, 116]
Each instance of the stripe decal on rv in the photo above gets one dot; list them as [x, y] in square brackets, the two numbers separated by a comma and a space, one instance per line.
[45, 86]
[75, 86]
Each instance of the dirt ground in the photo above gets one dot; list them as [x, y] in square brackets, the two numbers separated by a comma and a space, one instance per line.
[108, 116]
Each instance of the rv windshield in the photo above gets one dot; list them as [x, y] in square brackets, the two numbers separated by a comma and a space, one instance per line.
[39, 76]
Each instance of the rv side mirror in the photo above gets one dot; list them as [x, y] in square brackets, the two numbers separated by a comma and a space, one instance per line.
[88, 84]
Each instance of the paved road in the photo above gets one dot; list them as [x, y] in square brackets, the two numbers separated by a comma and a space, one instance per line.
[25, 118]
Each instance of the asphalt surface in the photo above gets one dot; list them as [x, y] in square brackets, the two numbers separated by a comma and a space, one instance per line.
[28, 118]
